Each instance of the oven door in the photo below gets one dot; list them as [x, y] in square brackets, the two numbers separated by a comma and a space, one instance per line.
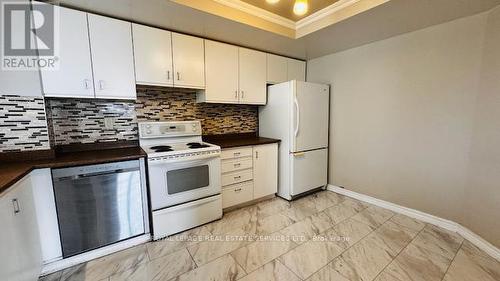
[177, 182]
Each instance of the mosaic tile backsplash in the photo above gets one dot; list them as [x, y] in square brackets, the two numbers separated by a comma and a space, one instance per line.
[83, 121]
[23, 125]
[169, 104]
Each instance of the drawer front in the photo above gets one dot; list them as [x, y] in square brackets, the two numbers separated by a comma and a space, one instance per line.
[231, 165]
[237, 194]
[236, 153]
[237, 177]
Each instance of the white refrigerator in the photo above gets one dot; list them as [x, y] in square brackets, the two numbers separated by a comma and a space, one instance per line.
[297, 113]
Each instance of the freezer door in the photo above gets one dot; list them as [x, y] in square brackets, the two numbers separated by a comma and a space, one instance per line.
[308, 170]
[310, 116]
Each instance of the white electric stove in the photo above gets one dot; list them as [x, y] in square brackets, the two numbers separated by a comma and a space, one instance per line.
[184, 176]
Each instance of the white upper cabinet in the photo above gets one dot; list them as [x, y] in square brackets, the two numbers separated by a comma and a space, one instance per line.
[74, 76]
[112, 57]
[233, 75]
[221, 68]
[296, 70]
[189, 61]
[152, 56]
[276, 69]
[252, 76]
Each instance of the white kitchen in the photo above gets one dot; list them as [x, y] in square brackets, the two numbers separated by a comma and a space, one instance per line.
[249, 140]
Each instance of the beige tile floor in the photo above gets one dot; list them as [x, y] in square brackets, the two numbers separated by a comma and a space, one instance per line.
[324, 236]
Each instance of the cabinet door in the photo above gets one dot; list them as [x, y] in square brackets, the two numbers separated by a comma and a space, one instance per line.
[252, 66]
[265, 170]
[276, 69]
[296, 70]
[73, 78]
[21, 247]
[112, 57]
[152, 56]
[189, 61]
[221, 68]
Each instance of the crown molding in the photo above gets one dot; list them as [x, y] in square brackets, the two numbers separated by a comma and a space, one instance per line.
[258, 12]
[333, 8]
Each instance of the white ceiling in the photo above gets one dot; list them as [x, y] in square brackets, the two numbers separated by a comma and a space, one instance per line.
[390, 19]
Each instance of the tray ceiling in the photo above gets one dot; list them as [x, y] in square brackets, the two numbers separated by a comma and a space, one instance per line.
[284, 8]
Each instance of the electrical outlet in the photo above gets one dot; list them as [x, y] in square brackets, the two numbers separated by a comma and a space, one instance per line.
[109, 123]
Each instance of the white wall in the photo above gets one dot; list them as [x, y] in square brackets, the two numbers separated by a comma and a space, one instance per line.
[403, 116]
[481, 211]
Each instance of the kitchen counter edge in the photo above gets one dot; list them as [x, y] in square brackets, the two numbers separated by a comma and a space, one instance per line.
[12, 172]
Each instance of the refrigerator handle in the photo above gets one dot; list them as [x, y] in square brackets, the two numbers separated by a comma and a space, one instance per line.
[297, 120]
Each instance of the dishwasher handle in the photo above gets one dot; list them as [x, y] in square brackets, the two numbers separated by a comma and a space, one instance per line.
[96, 174]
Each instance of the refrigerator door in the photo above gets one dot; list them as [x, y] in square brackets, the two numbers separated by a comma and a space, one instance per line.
[310, 116]
[308, 170]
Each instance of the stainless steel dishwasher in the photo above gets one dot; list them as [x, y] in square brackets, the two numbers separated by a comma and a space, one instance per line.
[99, 205]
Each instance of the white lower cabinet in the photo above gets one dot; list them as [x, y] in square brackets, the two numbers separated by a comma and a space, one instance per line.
[265, 170]
[20, 253]
[237, 194]
[249, 173]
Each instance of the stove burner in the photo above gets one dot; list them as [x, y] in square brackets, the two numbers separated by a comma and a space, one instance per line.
[194, 145]
[163, 150]
[160, 147]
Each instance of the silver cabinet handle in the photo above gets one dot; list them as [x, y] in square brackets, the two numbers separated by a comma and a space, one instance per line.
[237, 165]
[256, 155]
[15, 204]
[102, 84]
[237, 178]
[178, 76]
[237, 153]
[242, 94]
[237, 190]
[236, 94]
[168, 74]
[86, 83]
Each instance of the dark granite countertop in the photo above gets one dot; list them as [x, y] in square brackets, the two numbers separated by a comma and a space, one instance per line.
[236, 140]
[12, 169]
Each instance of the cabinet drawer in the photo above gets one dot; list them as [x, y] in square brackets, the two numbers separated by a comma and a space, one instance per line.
[237, 194]
[236, 177]
[231, 165]
[236, 153]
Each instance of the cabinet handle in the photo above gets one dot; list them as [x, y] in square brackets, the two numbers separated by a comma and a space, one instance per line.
[237, 178]
[86, 83]
[242, 94]
[237, 153]
[237, 165]
[237, 190]
[168, 74]
[15, 203]
[256, 155]
[101, 85]
[178, 76]
[236, 94]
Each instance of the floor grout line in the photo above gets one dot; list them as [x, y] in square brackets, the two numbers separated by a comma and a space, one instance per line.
[411, 241]
[349, 247]
[454, 257]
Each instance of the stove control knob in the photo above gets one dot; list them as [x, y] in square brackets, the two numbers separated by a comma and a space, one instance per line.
[148, 132]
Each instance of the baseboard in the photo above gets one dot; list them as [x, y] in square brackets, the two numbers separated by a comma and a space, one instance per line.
[72, 261]
[466, 233]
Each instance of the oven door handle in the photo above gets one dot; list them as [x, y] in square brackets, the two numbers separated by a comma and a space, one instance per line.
[199, 159]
